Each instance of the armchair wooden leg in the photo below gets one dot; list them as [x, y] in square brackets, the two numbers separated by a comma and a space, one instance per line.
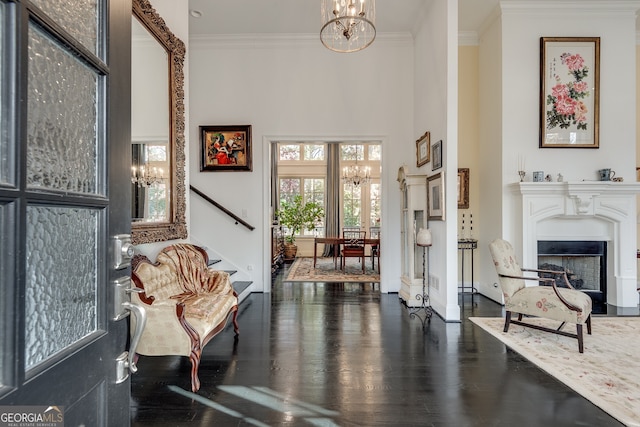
[507, 321]
[580, 340]
[589, 325]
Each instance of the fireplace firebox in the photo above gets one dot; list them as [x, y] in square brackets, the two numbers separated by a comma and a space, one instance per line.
[585, 263]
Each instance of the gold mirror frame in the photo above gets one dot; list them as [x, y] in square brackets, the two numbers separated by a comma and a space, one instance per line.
[176, 226]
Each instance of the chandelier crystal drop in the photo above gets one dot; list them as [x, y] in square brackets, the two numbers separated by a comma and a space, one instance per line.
[348, 25]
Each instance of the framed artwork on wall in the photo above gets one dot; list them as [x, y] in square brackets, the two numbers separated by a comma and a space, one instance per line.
[225, 148]
[436, 151]
[435, 196]
[423, 149]
[463, 188]
[569, 92]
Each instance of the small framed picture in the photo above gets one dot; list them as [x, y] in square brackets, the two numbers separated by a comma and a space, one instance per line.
[225, 148]
[435, 196]
[423, 146]
[463, 188]
[436, 150]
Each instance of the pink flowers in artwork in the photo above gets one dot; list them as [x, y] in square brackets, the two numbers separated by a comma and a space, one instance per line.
[566, 99]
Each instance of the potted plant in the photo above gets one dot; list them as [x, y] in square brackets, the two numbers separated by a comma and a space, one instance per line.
[296, 216]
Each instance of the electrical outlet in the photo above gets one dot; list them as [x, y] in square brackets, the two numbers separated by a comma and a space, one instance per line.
[249, 267]
[434, 282]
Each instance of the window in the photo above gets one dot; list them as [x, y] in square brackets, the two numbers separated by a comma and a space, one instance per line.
[312, 191]
[374, 199]
[305, 152]
[352, 205]
[361, 204]
[313, 152]
[289, 187]
[352, 152]
[289, 152]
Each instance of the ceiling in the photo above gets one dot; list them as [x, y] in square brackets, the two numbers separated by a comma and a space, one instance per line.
[303, 16]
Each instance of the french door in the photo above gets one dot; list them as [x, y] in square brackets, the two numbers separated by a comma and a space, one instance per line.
[64, 195]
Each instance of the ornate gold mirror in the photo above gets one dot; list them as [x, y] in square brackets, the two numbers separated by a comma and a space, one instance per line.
[157, 129]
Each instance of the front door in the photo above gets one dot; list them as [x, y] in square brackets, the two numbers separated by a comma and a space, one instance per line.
[64, 194]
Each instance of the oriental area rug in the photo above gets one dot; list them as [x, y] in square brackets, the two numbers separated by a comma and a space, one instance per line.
[302, 270]
[607, 373]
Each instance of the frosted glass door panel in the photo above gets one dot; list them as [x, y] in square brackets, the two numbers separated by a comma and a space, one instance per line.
[62, 127]
[62, 277]
[78, 17]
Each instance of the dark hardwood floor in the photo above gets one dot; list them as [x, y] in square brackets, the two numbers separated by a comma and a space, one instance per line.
[316, 354]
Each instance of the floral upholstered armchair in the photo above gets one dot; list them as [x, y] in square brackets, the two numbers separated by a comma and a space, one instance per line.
[565, 305]
[186, 303]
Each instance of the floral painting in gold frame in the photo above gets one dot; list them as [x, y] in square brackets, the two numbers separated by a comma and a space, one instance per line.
[569, 92]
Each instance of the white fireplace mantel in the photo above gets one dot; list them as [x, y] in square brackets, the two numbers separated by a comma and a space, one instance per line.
[585, 210]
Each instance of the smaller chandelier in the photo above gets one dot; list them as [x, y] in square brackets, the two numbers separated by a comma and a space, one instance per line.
[143, 177]
[348, 25]
[355, 175]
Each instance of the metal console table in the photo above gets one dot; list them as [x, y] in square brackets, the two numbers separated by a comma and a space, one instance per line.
[465, 245]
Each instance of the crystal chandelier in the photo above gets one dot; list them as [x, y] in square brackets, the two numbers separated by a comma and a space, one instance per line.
[142, 177]
[355, 175]
[348, 25]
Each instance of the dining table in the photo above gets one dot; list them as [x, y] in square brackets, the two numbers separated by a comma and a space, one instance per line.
[337, 242]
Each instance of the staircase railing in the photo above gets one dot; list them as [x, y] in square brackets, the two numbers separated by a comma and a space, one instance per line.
[235, 217]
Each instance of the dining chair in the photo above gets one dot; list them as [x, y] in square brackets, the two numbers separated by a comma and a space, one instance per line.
[374, 233]
[353, 246]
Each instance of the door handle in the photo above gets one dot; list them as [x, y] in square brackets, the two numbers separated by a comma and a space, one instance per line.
[125, 363]
[141, 321]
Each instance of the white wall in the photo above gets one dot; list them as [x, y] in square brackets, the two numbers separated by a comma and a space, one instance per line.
[520, 28]
[489, 222]
[295, 89]
[436, 103]
[149, 87]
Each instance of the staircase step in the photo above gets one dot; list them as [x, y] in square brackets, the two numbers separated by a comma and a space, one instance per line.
[242, 289]
[241, 285]
[231, 272]
[213, 261]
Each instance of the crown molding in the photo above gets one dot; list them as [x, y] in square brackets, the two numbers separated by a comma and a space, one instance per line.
[468, 38]
[570, 7]
[253, 41]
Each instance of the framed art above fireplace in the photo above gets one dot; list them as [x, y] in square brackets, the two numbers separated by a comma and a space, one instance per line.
[569, 92]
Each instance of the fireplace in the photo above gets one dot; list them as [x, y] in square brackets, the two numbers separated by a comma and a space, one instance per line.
[585, 263]
[588, 211]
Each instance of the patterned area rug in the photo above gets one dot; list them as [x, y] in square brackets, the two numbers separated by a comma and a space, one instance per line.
[606, 373]
[302, 271]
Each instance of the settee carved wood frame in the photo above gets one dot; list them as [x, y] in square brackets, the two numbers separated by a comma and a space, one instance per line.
[176, 226]
[197, 342]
